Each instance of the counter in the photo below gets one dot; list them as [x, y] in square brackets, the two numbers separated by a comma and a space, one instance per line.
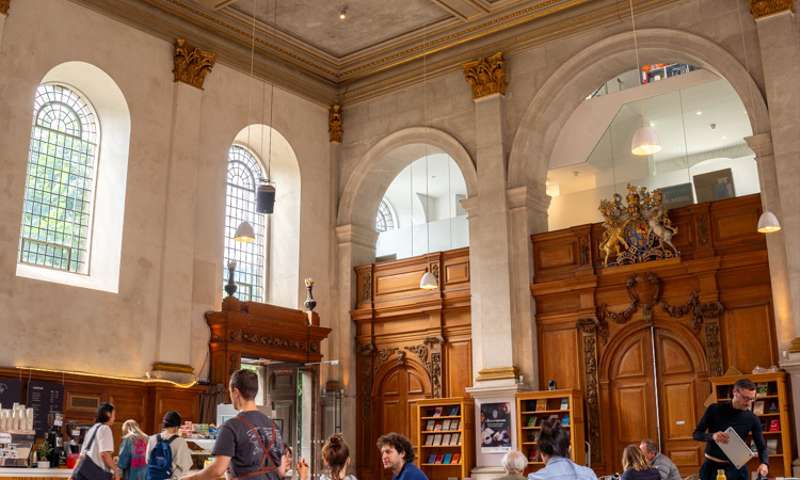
[34, 473]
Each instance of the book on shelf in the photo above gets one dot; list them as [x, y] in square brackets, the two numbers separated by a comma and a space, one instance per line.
[772, 446]
[448, 457]
[564, 404]
[531, 421]
[565, 421]
[772, 406]
[428, 440]
[446, 424]
[533, 454]
[456, 458]
[438, 426]
[431, 458]
[455, 424]
[439, 458]
[541, 404]
[455, 439]
[430, 425]
[454, 411]
[437, 439]
[437, 412]
[774, 425]
[762, 389]
[758, 407]
[446, 439]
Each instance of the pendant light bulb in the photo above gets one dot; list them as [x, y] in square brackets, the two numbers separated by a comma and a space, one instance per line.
[245, 233]
[768, 223]
[428, 282]
[645, 142]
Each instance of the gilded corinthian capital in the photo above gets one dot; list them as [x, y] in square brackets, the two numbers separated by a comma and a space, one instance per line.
[762, 8]
[4, 6]
[335, 123]
[192, 64]
[486, 75]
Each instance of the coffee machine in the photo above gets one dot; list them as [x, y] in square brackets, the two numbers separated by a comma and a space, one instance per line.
[55, 438]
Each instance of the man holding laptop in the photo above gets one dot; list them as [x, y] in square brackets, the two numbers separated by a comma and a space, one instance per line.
[737, 415]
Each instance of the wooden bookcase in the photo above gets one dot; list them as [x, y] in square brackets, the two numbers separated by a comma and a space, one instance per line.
[772, 408]
[432, 416]
[534, 407]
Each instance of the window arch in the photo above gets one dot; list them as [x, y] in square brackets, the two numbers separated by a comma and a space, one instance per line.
[244, 172]
[60, 182]
[386, 218]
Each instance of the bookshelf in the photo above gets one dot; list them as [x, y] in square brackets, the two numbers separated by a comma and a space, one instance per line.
[445, 437]
[534, 407]
[772, 408]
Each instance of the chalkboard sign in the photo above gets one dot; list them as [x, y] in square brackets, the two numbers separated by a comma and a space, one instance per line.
[43, 398]
[10, 392]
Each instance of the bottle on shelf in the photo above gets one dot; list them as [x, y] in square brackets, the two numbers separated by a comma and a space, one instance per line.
[721, 474]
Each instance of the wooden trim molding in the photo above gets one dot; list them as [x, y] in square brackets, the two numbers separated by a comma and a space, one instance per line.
[589, 328]
[499, 373]
[192, 65]
[762, 8]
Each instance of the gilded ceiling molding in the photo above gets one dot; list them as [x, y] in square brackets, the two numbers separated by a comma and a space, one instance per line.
[4, 6]
[762, 8]
[486, 76]
[335, 123]
[192, 64]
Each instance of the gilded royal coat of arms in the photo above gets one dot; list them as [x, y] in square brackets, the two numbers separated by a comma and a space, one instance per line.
[639, 231]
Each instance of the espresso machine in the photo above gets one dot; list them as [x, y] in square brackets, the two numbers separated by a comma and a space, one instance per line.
[55, 438]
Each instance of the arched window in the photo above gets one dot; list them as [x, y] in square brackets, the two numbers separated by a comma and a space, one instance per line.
[60, 184]
[385, 219]
[244, 172]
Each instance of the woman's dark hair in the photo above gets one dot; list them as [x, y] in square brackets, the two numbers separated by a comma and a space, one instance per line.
[552, 439]
[104, 412]
[399, 443]
[171, 419]
[335, 454]
[246, 381]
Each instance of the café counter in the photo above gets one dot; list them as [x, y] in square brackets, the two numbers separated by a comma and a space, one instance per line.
[34, 473]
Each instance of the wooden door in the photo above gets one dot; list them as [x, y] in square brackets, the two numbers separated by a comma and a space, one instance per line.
[681, 375]
[399, 386]
[632, 394]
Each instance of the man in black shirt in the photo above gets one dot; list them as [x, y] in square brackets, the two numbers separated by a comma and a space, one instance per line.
[717, 419]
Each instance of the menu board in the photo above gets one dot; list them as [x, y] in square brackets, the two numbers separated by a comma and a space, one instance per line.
[43, 398]
[10, 392]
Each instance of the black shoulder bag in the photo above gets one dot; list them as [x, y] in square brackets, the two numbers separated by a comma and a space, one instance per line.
[86, 468]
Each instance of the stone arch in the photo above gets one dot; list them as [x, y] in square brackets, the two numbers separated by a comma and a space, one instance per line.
[568, 86]
[375, 170]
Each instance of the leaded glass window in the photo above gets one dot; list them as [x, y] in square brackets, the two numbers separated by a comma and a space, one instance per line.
[60, 184]
[244, 173]
[385, 218]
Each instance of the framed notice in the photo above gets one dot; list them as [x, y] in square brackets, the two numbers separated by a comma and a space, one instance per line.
[44, 398]
[495, 426]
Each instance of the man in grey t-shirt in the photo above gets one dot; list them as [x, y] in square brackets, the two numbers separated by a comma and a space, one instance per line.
[659, 461]
[242, 440]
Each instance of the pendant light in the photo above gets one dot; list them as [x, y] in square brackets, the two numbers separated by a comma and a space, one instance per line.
[245, 233]
[645, 141]
[428, 280]
[768, 223]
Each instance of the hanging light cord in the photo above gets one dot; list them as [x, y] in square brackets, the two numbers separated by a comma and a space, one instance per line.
[272, 100]
[427, 127]
[635, 42]
[252, 77]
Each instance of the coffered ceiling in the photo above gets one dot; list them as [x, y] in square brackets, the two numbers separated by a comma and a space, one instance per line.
[305, 46]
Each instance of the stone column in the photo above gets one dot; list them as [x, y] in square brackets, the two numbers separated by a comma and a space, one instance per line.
[356, 246]
[177, 260]
[4, 7]
[496, 295]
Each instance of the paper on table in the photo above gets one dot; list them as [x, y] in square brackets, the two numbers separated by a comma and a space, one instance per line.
[736, 449]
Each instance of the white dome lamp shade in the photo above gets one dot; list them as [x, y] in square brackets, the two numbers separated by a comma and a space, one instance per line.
[429, 282]
[645, 142]
[245, 233]
[768, 223]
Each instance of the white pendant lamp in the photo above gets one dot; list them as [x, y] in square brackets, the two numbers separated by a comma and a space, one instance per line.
[429, 282]
[768, 223]
[245, 233]
[645, 142]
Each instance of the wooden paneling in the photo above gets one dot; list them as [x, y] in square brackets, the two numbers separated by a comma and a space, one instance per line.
[559, 351]
[459, 368]
[748, 342]
[398, 283]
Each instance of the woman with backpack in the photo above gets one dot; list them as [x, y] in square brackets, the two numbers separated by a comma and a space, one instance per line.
[168, 455]
[133, 452]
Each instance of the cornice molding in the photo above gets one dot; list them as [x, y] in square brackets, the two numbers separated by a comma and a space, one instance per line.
[762, 8]
[192, 65]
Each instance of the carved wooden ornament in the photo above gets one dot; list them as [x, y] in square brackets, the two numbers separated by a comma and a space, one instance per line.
[192, 64]
[486, 76]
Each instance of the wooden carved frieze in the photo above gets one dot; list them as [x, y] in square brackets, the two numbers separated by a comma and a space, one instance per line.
[192, 64]
[273, 341]
[365, 287]
[643, 290]
[366, 364]
[430, 354]
[589, 330]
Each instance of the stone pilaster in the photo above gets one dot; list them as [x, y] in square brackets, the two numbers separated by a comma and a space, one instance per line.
[356, 246]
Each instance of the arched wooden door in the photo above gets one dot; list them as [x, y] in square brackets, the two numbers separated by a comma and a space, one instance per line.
[399, 386]
[657, 379]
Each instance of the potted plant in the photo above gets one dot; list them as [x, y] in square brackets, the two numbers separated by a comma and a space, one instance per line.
[42, 453]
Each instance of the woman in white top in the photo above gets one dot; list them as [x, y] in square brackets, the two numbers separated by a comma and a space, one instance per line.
[181, 455]
[103, 444]
[335, 456]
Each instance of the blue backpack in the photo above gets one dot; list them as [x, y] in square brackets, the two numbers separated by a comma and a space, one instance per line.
[159, 463]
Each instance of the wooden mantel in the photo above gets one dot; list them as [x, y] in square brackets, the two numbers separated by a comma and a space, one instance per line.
[260, 330]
